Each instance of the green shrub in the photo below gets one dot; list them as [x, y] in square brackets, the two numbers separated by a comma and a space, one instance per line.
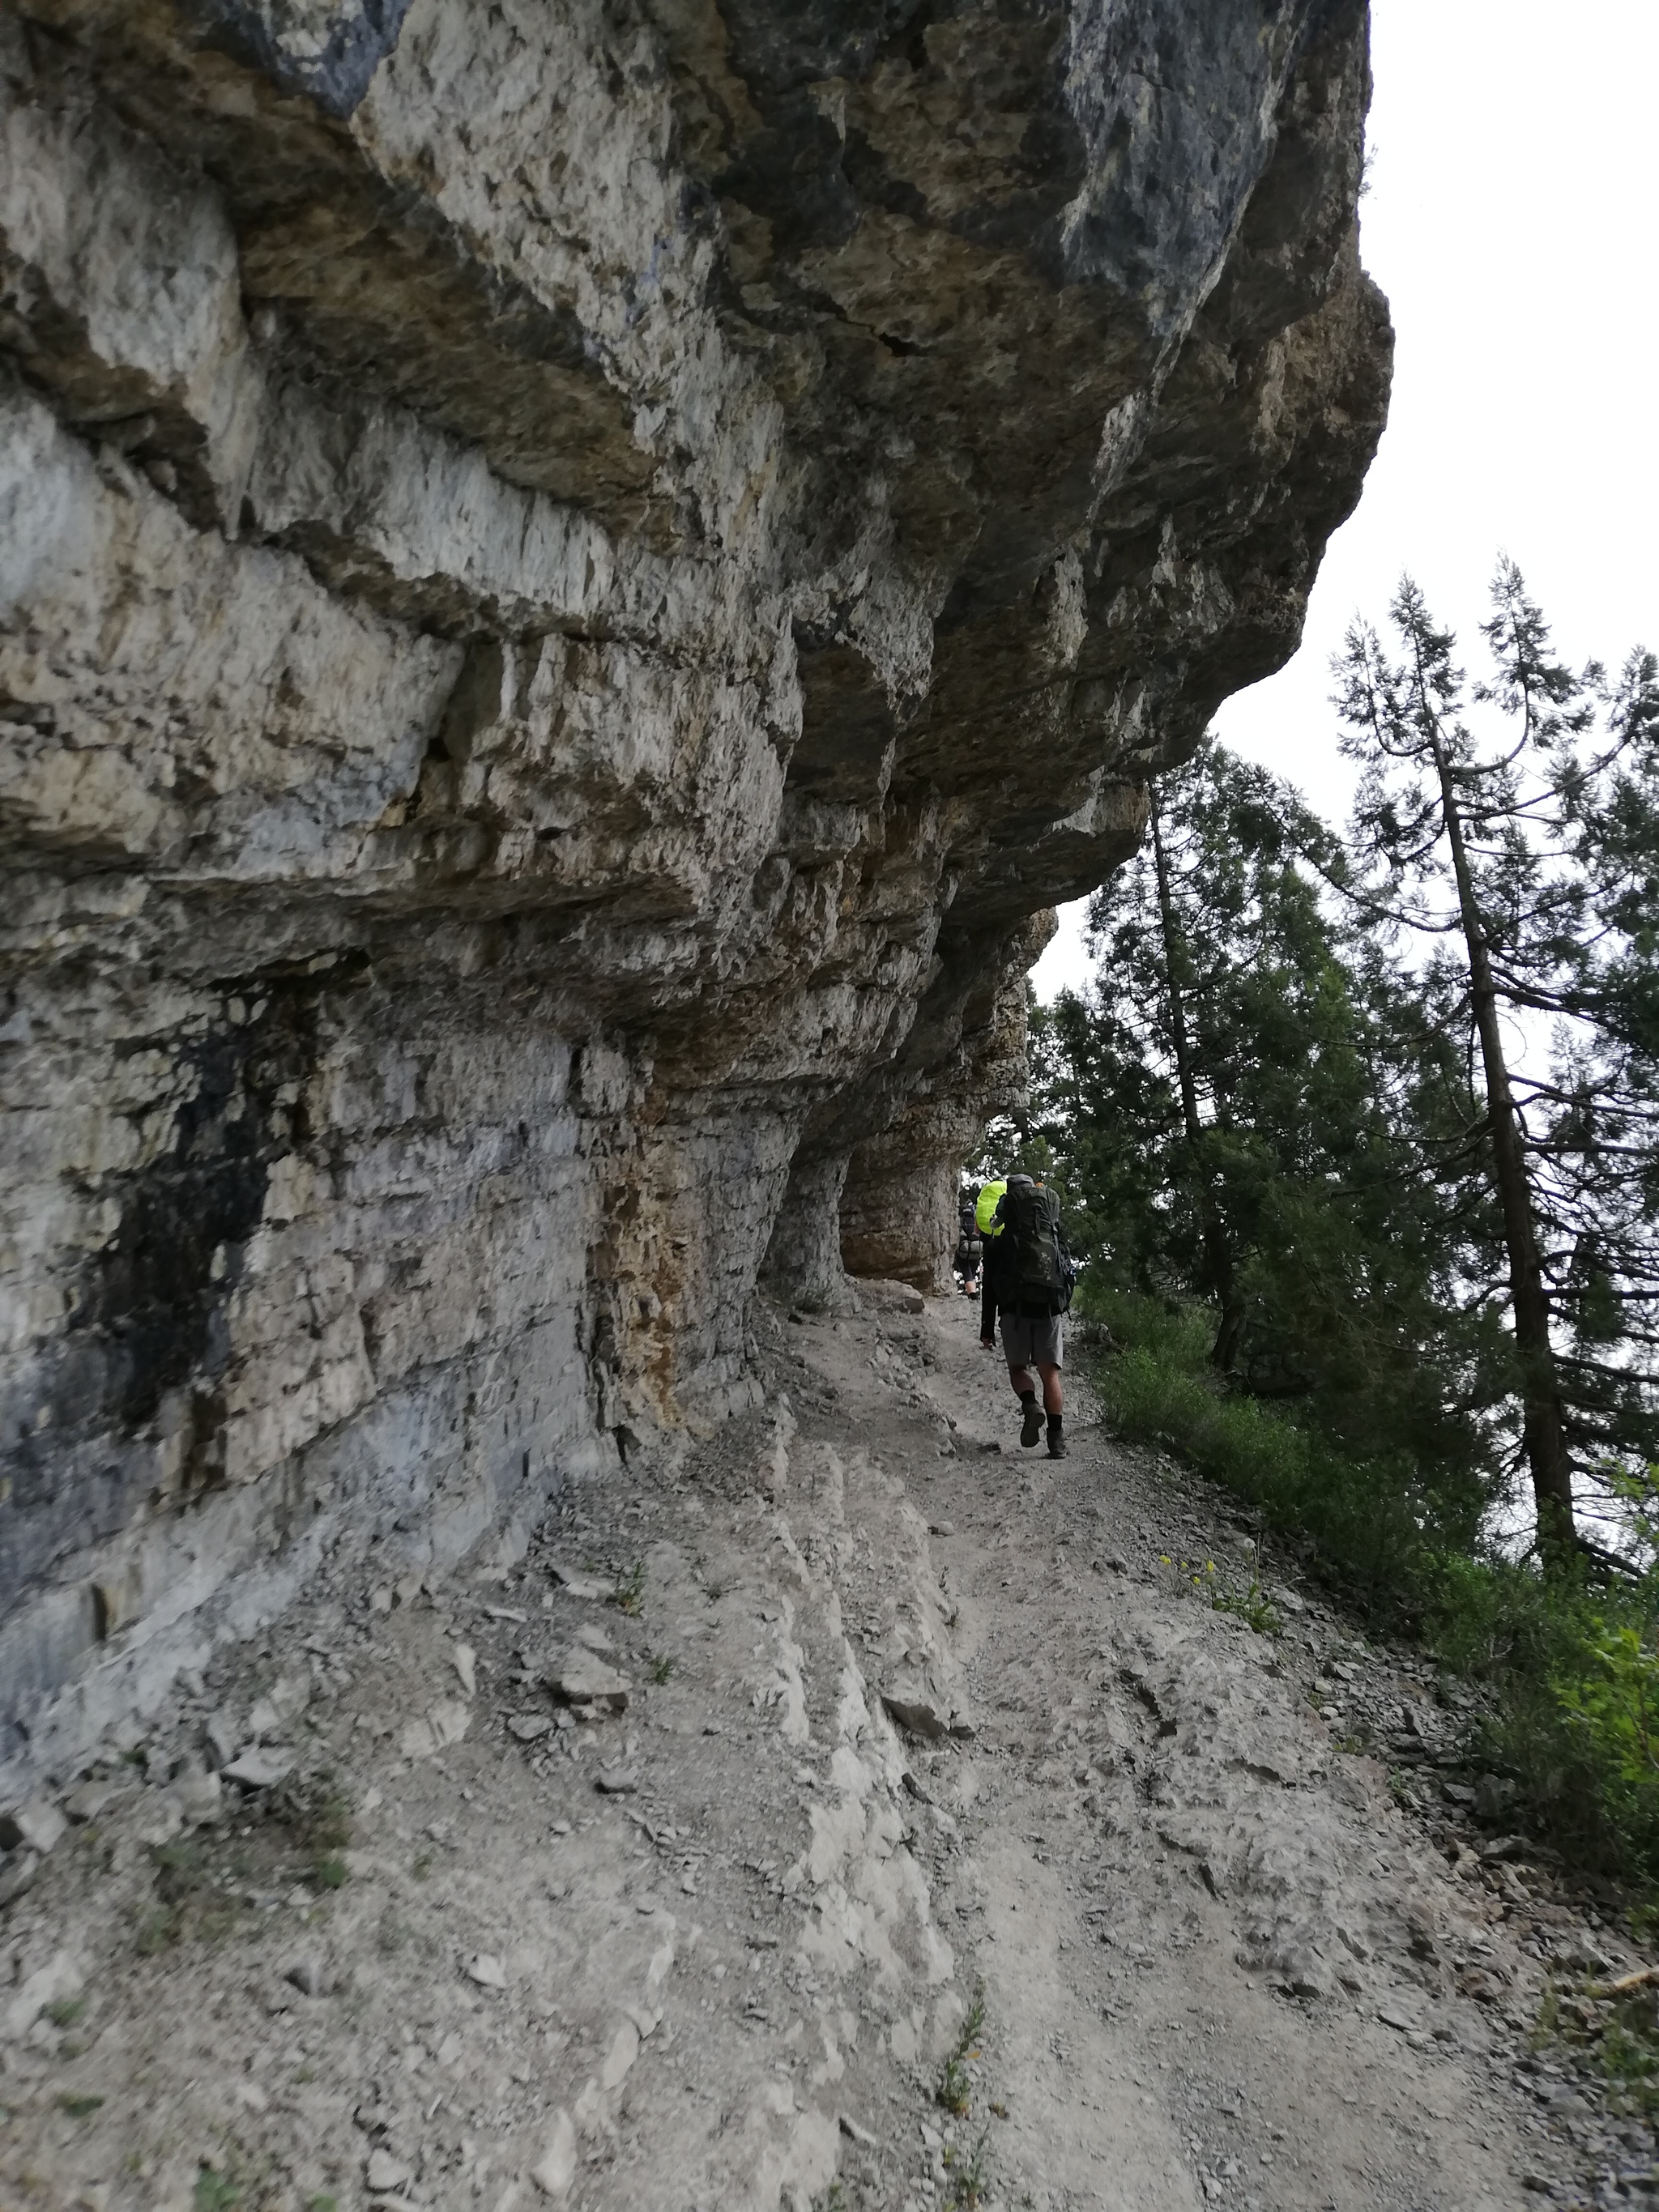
[1372, 1520]
[1570, 1663]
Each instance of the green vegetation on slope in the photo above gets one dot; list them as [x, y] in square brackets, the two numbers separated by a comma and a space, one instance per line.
[1572, 1659]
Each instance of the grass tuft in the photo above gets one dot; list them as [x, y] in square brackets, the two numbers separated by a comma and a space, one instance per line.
[955, 2087]
[965, 2187]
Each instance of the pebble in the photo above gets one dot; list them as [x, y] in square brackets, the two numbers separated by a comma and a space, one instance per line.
[576, 1585]
[444, 1724]
[17, 1876]
[581, 1679]
[916, 1710]
[307, 1976]
[464, 1660]
[285, 1700]
[259, 1770]
[624, 2050]
[386, 2172]
[616, 1781]
[221, 1737]
[199, 1796]
[87, 1802]
[36, 1826]
[556, 2169]
[487, 1971]
[528, 1726]
[59, 1978]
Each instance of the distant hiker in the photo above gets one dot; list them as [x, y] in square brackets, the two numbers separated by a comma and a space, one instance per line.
[967, 1245]
[989, 1228]
[1033, 1288]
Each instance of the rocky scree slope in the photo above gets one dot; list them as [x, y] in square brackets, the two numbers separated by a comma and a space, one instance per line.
[573, 584]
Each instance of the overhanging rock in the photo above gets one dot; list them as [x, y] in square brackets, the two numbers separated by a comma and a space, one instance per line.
[570, 582]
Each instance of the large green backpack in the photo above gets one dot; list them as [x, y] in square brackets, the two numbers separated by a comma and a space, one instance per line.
[985, 1207]
[1032, 1269]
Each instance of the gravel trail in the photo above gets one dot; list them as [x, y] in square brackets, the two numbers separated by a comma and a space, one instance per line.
[701, 1849]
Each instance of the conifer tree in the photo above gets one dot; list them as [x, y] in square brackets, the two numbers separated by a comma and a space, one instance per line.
[1518, 854]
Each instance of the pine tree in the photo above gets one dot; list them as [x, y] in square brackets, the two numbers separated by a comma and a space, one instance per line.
[1506, 854]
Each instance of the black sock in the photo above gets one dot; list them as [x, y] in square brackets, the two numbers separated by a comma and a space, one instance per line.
[1054, 1421]
[1028, 1397]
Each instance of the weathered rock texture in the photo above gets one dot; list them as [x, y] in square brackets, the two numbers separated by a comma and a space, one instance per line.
[571, 581]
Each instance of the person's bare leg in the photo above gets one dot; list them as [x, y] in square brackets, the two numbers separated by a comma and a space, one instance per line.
[1053, 1404]
[1026, 1391]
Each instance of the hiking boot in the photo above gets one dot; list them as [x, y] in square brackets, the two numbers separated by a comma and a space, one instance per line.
[1031, 1427]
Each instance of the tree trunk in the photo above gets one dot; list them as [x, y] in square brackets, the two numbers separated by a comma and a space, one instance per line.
[1217, 1252]
[1543, 1438]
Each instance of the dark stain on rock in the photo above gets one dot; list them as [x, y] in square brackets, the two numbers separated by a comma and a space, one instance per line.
[147, 1342]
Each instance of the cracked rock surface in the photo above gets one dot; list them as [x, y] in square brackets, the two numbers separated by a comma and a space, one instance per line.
[575, 583]
[1126, 1926]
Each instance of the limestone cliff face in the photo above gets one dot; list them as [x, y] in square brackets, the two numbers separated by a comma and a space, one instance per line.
[574, 582]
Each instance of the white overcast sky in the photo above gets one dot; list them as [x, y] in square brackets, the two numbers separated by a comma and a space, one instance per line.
[1513, 221]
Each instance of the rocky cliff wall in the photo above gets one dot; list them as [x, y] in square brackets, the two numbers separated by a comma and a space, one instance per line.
[574, 582]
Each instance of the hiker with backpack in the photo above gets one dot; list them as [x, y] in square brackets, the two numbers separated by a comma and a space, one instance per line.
[990, 1229]
[1028, 1275]
[966, 1263]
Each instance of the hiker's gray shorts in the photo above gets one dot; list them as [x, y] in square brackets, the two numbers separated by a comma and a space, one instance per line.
[1037, 1343]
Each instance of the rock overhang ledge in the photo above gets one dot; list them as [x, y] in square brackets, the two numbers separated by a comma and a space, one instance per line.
[577, 583]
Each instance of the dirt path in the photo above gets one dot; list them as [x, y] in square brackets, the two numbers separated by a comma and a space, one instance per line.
[602, 1875]
[1200, 1919]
